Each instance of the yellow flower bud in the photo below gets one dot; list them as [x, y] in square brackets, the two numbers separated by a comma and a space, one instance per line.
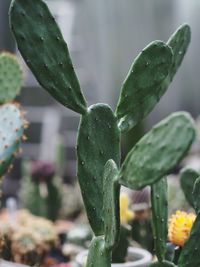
[180, 225]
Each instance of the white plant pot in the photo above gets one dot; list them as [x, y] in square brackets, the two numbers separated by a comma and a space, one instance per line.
[138, 257]
[10, 264]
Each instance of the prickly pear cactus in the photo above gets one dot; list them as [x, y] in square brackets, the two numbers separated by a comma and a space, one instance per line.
[142, 85]
[179, 42]
[191, 250]
[98, 129]
[10, 77]
[196, 195]
[143, 165]
[150, 76]
[160, 217]
[98, 255]
[111, 204]
[49, 61]
[188, 178]
[98, 146]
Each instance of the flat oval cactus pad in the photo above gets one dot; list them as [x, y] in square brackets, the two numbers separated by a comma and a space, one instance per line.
[10, 77]
[11, 133]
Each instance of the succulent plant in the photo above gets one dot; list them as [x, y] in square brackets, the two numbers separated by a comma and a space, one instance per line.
[183, 227]
[28, 239]
[12, 121]
[98, 145]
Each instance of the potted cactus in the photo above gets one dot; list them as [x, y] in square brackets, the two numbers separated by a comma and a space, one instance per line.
[28, 240]
[98, 145]
[12, 122]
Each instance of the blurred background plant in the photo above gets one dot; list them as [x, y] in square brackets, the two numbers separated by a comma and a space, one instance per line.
[26, 238]
[41, 191]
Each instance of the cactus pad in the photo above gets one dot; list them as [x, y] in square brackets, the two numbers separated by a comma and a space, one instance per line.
[98, 141]
[196, 196]
[191, 250]
[158, 151]
[141, 88]
[188, 178]
[10, 77]
[190, 253]
[111, 191]
[98, 255]
[11, 132]
[179, 42]
[34, 27]
[159, 217]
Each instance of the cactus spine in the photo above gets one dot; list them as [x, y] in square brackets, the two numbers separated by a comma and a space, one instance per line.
[98, 145]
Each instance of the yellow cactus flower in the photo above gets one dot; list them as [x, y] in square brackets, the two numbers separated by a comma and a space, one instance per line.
[180, 225]
[126, 214]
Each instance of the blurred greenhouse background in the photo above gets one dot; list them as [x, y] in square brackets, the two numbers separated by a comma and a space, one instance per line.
[104, 36]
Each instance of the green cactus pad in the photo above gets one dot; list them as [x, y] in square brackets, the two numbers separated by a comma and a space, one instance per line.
[162, 264]
[98, 255]
[141, 88]
[10, 77]
[159, 206]
[188, 178]
[111, 191]
[190, 253]
[179, 43]
[196, 196]
[11, 132]
[158, 152]
[43, 48]
[98, 141]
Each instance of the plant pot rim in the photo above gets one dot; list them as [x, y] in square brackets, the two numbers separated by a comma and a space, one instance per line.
[4, 263]
[146, 258]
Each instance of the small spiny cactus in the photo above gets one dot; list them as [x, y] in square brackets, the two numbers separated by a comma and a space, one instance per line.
[12, 121]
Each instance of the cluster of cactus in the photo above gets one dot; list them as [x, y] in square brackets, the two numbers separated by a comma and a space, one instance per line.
[12, 121]
[28, 240]
[41, 191]
[98, 145]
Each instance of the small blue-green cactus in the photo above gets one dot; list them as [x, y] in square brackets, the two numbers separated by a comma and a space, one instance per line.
[11, 116]
[98, 146]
